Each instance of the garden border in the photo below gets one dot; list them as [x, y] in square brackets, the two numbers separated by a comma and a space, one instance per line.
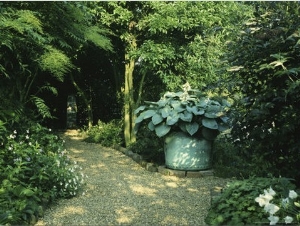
[163, 169]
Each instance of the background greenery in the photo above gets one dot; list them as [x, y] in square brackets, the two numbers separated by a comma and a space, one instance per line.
[115, 55]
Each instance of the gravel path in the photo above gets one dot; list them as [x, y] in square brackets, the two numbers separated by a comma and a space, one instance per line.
[121, 192]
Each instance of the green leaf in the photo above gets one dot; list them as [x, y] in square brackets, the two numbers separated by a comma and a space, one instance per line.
[192, 128]
[162, 129]
[202, 103]
[140, 108]
[177, 106]
[297, 204]
[186, 116]
[139, 119]
[149, 113]
[165, 111]
[172, 119]
[151, 126]
[157, 118]
[210, 123]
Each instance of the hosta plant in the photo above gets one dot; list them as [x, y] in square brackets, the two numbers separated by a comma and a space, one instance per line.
[188, 111]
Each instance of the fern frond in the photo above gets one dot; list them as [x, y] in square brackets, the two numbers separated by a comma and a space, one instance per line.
[56, 62]
[21, 21]
[96, 35]
[42, 108]
[49, 88]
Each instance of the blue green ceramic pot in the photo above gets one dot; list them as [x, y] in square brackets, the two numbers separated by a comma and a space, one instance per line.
[183, 152]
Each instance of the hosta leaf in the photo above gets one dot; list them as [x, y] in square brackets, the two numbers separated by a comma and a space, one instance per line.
[210, 115]
[139, 118]
[151, 126]
[177, 106]
[186, 116]
[162, 103]
[192, 128]
[197, 111]
[165, 112]
[162, 129]
[210, 123]
[202, 102]
[157, 118]
[214, 108]
[140, 108]
[148, 113]
[172, 119]
[136, 127]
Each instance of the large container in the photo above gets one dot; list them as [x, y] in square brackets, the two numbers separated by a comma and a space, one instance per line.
[183, 152]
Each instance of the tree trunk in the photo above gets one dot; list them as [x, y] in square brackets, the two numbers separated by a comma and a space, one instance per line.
[129, 105]
[87, 102]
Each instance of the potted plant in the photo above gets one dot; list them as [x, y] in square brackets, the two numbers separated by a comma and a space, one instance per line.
[190, 122]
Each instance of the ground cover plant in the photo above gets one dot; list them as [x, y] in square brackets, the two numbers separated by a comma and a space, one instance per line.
[281, 210]
[237, 206]
[34, 171]
[107, 134]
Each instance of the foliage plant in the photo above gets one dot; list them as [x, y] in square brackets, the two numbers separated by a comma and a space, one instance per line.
[265, 78]
[187, 111]
[34, 171]
[149, 146]
[281, 209]
[236, 204]
[107, 134]
[38, 51]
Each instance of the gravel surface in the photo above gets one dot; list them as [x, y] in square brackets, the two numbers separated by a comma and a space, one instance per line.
[120, 192]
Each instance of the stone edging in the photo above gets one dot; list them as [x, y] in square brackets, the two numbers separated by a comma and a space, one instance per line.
[162, 169]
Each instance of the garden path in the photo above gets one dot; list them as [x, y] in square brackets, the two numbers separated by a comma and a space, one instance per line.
[120, 192]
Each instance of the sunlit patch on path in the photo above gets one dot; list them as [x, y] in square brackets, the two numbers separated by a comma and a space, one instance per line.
[120, 191]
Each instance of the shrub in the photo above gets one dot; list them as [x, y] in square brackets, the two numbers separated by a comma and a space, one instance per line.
[230, 160]
[265, 75]
[236, 205]
[107, 134]
[34, 170]
[148, 145]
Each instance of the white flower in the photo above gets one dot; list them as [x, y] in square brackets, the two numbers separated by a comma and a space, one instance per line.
[27, 130]
[288, 219]
[271, 208]
[15, 131]
[273, 219]
[293, 194]
[49, 130]
[271, 192]
[27, 137]
[264, 199]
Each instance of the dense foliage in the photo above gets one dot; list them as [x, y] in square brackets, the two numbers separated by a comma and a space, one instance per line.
[266, 73]
[236, 204]
[107, 134]
[49, 50]
[34, 171]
